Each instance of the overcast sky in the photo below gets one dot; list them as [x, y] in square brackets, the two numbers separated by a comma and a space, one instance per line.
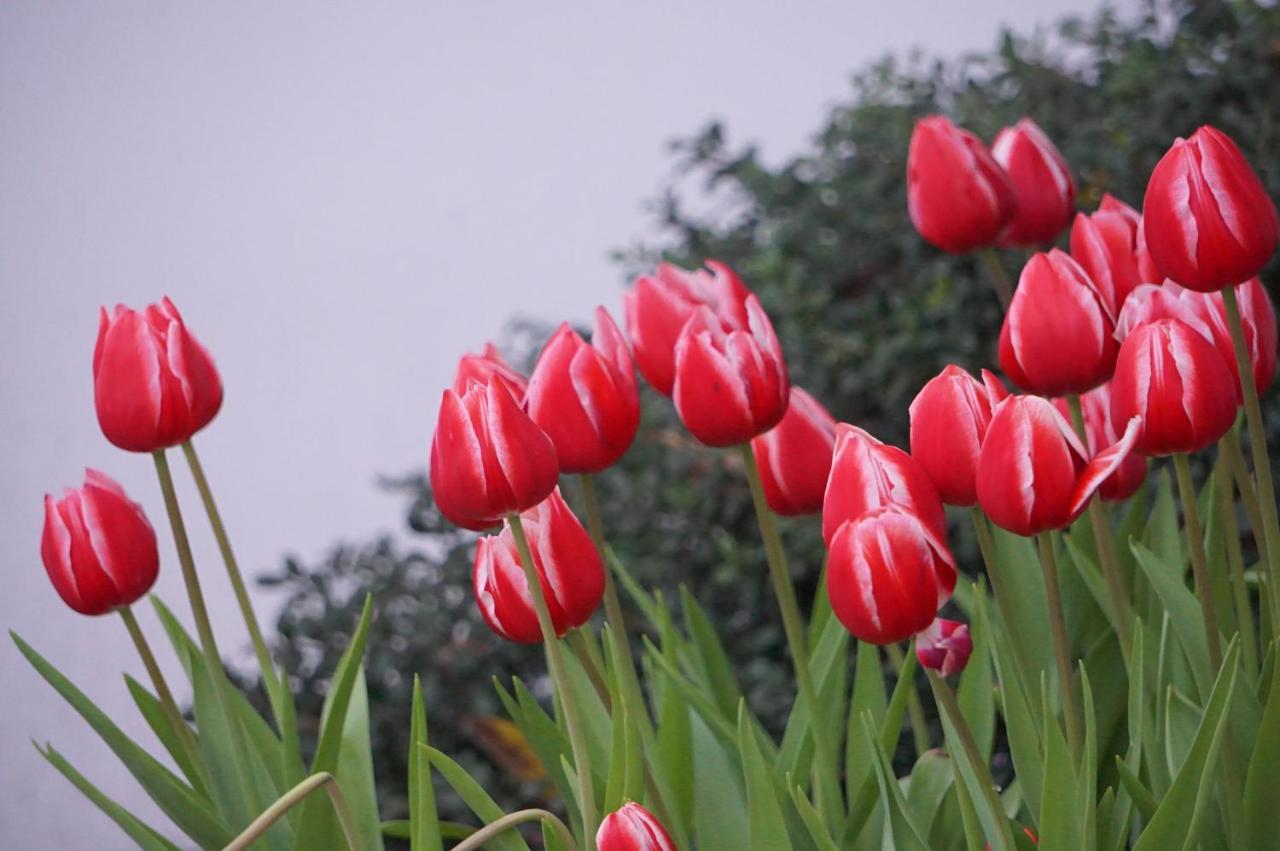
[341, 200]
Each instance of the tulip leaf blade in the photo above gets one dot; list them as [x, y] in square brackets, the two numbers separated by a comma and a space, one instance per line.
[424, 821]
[976, 692]
[1184, 612]
[1261, 791]
[475, 797]
[766, 822]
[718, 824]
[905, 835]
[812, 820]
[152, 711]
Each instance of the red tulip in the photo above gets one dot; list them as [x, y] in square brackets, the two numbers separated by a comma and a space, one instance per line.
[154, 385]
[568, 566]
[1057, 336]
[730, 385]
[659, 305]
[488, 458]
[794, 456]
[1104, 246]
[1208, 220]
[1178, 383]
[487, 365]
[1033, 473]
[97, 546]
[958, 197]
[867, 474]
[945, 646]
[886, 576]
[949, 419]
[1101, 432]
[633, 828]
[1147, 271]
[1041, 181]
[585, 396]
[1112, 204]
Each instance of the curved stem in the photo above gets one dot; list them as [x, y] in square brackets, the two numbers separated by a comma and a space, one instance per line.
[1257, 444]
[291, 799]
[1061, 644]
[1199, 566]
[493, 829]
[793, 626]
[999, 279]
[555, 663]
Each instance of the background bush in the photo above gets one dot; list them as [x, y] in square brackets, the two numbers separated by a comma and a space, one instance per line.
[866, 313]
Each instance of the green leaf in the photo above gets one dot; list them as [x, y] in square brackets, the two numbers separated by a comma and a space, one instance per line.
[403, 829]
[868, 696]
[424, 821]
[355, 766]
[928, 785]
[711, 661]
[721, 801]
[485, 808]
[158, 720]
[1142, 797]
[976, 778]
[905, 835]
[812, 820]
[767, 824]
[193, 814]
[1022, 726]
[1261, 789]
[147, 837]
[976, 692]
[673, 752]
[1184, 612]
[1059, 827]
[634, 589]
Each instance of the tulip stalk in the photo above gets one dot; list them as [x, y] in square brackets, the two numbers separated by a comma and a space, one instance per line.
[1061, 642]
[491, 831]
[289, 800]
[1000, 588]
[999, 280]
[1235, 567]
[1257, 443]
[1199, 565]
[555, 664]
[1229, 447]
[915, 709]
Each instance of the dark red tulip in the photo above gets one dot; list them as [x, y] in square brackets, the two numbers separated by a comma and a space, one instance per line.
[488, 458]
[949, 419]
[1104, 245]
[154, 385]
[568, 566]
[730, 385]
[1101, 432]
[1058, 334]
[585, 396]
[945, 646]
[97, 546]
[1034, 473]
[958, 197]
[886, 576]
[1178, 383]
[633, 828]
[794, 456]
[659, 305]
[484, 367]
[1041, 181]
[1208, 220]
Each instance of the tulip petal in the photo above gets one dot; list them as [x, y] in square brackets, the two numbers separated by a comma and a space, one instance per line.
[1103, 465]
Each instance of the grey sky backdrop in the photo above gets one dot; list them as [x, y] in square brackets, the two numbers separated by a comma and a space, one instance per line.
[341, 199]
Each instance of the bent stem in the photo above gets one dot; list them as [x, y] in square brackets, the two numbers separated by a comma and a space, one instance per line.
[270, 679]
[999, 280]
[490, 831]
[1102, 537]
[291, 799]
[915, 710]
[793, 626]
[555, 664]
[1257, 445]
[1199, 566]
[1061, 644]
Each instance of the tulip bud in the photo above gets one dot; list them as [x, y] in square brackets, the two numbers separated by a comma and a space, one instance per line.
[154, 385]
[949, 419]
[944, 646]
[97, 546]
[568, 566]
[1178, 383]
[1112, 204]
[484, 367]
[958, 198]
[1103, 245]
[585, 396]
[1058, 335]
[730, 385]
[488, 458]
[1101, 432]
[867, 474]
[659, 305]
[1208, 220]
[633, 828]
[886, 576]
[794, 456]
[1041, 181]
[1033, 472]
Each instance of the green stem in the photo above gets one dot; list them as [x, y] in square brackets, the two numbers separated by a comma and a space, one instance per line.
[167, 703]
[915, 710]
[999, 279]
[1122, 609]
[1199, 566]
[1257, 444]
[1235, 567]
[946, 697]
[490, 831]
[270, 677]
[291, 799]
[1000, 588]
[555, 663]
[1229, 447]
[793, 625]
[1061, 643]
